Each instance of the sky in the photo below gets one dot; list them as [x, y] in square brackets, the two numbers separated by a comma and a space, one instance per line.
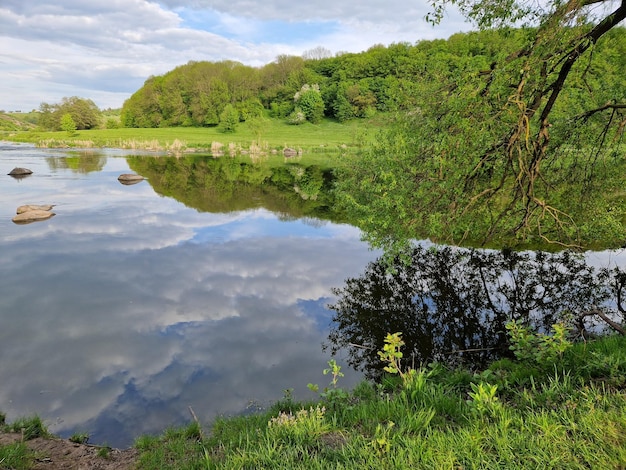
[104, 50]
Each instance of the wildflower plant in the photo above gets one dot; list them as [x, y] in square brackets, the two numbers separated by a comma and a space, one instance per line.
[383, 438]
[484, 399]
[302, 426]
[392, 354]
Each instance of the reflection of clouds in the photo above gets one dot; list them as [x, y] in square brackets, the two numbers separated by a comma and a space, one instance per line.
[127, 307]
[184, 324]
[117, 315]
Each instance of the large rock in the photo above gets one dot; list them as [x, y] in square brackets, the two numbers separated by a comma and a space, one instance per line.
[130, 178]
[20, 172]
[32, 207]
[32, 216]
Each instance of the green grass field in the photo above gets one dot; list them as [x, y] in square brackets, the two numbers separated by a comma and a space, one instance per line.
[328, 137]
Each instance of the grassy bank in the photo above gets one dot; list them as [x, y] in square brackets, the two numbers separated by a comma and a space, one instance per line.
[271, 134]
[561, 410]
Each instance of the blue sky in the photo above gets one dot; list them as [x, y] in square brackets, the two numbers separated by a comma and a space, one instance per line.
[105, 49]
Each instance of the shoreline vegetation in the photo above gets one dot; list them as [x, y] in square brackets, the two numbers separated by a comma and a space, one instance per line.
[595, 210]
[555, 405]
[327, 137]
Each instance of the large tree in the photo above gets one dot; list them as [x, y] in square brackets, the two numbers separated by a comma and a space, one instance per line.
[493, 154]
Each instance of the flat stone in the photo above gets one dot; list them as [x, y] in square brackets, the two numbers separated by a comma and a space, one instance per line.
[32, 216]
[130, 177]
[33, 207]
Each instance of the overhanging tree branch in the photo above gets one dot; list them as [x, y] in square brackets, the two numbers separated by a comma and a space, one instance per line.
[591, 112]
[588, 39]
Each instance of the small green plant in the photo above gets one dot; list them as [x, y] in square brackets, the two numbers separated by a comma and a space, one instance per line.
[392, 354]
[79, 437]
[335, 370]
[537, 348]
[104, 452]
[484, 398]
[333, 395]
[288, 395]
[15, 456]
[601, 364]
[414, 385]
[304, 425]
[30, 428]
[382, 438]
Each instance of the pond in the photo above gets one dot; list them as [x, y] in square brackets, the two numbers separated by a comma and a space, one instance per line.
[128, 307]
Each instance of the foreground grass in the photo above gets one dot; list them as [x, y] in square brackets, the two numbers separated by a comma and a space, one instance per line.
[274, 134]
[16, 455]
[570, 413]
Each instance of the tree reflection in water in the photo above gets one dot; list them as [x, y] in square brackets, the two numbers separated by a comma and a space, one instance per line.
[452, 304]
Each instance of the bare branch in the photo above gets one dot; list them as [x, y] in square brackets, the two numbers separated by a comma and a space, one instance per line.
[599, 313]
[591, 112]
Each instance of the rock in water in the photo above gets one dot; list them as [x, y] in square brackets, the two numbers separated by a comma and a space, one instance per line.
[32, 216]
[32, 207]
[20, 172]
[129, 178]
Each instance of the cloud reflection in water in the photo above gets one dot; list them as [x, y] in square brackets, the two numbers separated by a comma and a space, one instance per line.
[127, 308]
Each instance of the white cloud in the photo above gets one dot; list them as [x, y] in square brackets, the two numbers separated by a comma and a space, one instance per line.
[287, 10]
[105, 49]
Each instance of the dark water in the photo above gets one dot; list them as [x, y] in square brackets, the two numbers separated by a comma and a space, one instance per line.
[452, 305]
[128, 307]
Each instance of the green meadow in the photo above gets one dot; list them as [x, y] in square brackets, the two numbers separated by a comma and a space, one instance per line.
[268, 134]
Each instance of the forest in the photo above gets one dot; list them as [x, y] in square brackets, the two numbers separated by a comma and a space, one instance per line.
[398, 77]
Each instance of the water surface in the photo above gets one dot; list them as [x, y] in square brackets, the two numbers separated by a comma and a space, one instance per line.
[207, 287]
[126, 308]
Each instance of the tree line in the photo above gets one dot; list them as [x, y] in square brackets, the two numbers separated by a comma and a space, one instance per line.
[347, 86]
[387, 79]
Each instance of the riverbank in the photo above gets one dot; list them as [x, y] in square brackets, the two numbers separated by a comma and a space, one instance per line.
[329, 136]
[540, 410]
[50, 452]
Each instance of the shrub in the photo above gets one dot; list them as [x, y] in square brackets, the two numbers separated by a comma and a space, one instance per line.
[297, 117]
[229, 118]
[537, 348]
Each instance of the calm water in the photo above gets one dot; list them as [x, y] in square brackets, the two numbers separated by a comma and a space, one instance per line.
[127, 307]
